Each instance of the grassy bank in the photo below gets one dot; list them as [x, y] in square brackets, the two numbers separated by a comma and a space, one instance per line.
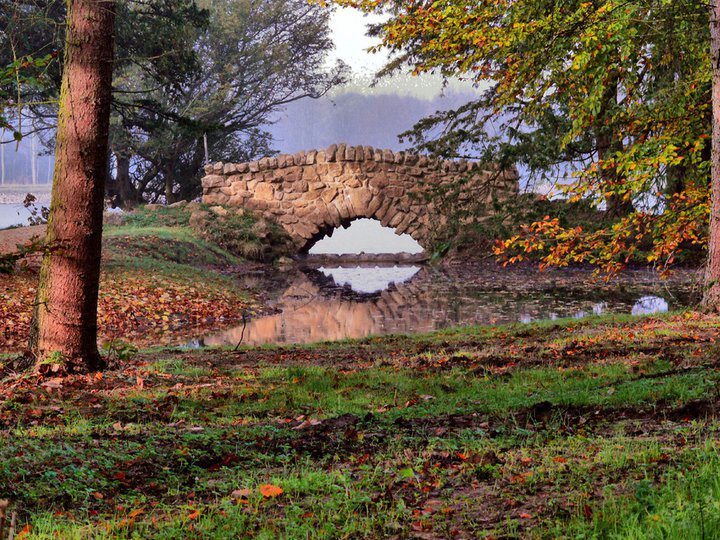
[600, 428]
[162, 282]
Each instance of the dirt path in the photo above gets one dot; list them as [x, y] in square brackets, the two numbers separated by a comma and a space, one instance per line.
[10, 238]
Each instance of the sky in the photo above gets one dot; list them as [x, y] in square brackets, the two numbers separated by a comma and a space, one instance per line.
[348, 27]
[360, 113]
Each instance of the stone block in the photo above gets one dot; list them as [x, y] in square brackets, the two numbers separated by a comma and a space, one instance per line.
[329, 194]
[229, 169]
[264, 192]
[331, 152]
[213, 181]
[334, 215]
[360, 198]
[374, 205]
[299, 158]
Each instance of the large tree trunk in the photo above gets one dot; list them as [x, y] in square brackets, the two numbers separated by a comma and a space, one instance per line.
[65, 318]
[712, 273]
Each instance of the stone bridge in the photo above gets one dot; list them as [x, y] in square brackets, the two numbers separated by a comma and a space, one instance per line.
[312, 193]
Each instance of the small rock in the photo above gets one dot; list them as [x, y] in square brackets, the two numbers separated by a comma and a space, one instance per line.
[197, 219]
[179, 204]
[219, 211]
[153, 207]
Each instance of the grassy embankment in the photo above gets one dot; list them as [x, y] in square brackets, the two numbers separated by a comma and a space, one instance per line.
[601, 428]
[162, 280]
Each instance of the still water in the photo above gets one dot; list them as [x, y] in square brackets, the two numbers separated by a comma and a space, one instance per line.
[13, 214]
[323, 304]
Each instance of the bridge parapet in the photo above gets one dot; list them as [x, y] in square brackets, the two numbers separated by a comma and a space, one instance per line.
[312, 193]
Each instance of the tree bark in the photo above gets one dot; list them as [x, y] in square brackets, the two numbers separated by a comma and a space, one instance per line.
[126, 192]
[169, 184]
[64, 328]
[711, 299]
[608, 143]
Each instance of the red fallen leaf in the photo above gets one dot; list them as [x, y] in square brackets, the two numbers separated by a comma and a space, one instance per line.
[269, 490]
[560, 459]
[194, 515]
[525, 515]
[136, 513]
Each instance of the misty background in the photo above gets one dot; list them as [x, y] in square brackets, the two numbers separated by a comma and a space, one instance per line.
[359, 113]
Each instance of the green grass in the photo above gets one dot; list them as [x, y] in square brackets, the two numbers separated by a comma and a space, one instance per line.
[621, 448]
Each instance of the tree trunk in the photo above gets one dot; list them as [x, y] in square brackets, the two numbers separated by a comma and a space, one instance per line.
[64, 329]
[608, 143]
[711, 299]
[126, 192]
[169, 184]
[33, 159]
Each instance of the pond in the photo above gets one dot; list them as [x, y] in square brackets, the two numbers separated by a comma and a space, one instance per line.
[355, 301]
[13, 214]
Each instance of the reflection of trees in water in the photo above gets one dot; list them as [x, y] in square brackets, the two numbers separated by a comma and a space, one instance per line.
[313, 308]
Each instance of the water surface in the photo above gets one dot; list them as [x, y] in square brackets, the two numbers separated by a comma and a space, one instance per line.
[13, 214]
[327, 304]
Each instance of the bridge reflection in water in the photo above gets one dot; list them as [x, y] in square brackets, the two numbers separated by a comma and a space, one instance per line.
[329, 304]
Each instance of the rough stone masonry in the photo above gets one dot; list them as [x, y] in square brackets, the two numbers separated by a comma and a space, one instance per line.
[312, 193]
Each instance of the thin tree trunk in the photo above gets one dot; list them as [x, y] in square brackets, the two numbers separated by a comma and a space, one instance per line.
[608, 143]
[712, 273]
[64, 328]
[33, 159]
[2, 164]
[169, 184]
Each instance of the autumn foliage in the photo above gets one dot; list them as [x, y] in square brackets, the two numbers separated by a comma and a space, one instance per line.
[609, 100]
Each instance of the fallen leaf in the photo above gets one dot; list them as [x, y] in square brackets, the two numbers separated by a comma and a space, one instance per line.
[269, 490]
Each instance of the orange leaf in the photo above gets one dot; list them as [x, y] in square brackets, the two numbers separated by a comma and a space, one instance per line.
[136, 513]
[194, 515]
[269, 490]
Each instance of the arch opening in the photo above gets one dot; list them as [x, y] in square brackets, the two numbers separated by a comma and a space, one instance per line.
[362, 235]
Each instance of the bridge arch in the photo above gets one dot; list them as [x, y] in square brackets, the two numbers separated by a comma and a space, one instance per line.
[313, 193]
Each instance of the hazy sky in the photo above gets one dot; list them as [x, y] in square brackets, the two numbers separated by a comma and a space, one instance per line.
[348, 28]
